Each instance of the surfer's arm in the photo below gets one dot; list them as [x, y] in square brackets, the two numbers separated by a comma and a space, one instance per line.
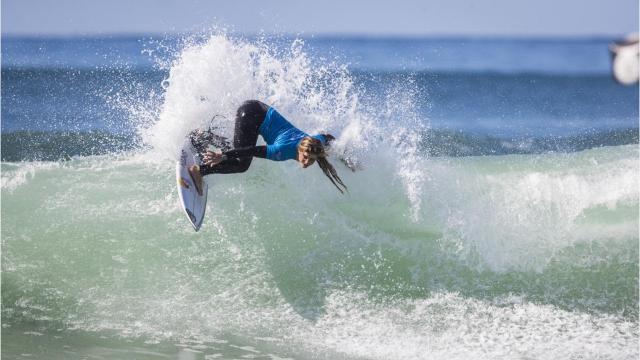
[249, 151]
[232, 161]
[213, 159]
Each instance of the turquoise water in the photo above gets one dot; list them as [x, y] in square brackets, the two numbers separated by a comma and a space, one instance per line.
[455, 243]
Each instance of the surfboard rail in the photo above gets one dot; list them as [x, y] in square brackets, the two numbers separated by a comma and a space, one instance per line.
[193, 204]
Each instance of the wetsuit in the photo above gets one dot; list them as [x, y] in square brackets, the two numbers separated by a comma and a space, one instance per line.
[255, 118]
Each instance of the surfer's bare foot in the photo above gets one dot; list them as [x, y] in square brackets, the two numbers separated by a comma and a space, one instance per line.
[194, 171]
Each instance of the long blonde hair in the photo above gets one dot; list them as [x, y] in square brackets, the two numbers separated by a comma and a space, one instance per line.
[313, 148]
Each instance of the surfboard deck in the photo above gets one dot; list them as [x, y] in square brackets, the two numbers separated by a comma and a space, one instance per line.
[193, 204]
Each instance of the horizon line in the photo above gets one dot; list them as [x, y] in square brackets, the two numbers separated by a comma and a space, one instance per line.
[321, 35]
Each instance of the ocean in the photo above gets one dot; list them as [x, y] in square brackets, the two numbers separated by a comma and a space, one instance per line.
[493, 215]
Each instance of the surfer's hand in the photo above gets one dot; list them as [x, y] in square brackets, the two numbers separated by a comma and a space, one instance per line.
[212, 159]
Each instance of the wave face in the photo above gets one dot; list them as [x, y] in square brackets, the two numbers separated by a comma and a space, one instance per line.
[525, 255]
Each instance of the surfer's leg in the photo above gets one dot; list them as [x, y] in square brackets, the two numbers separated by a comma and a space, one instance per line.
[249, 117]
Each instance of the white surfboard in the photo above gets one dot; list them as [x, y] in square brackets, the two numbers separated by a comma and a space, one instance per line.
[194, 205]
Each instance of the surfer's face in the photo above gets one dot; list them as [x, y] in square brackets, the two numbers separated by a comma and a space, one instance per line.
[309, 149]
[305, 159]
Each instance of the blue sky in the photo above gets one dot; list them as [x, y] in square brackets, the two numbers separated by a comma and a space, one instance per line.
[363, 17]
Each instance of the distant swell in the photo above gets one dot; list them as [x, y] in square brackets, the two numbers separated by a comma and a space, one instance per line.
[458, 143]
[54, 146]
[63, 145]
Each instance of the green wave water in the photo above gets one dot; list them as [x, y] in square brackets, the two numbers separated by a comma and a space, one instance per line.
[512, 256]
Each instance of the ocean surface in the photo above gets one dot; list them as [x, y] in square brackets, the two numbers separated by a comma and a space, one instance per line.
[494, 212]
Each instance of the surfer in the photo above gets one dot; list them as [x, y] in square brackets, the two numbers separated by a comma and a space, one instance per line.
[284, 142]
